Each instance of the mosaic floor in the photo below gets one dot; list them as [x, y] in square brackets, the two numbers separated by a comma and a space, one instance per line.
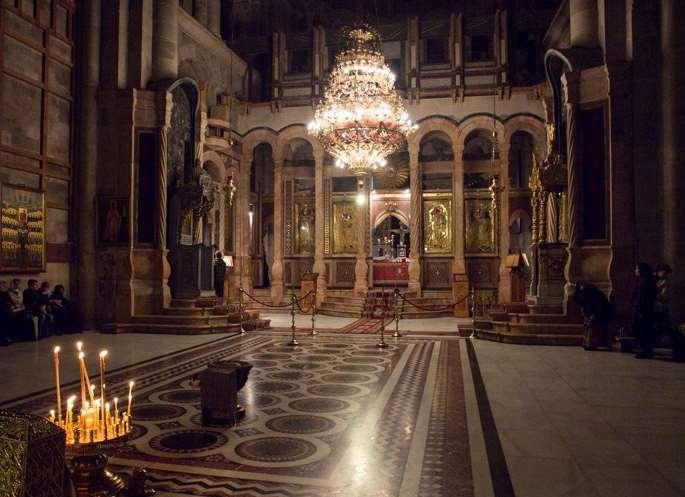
[335, 416]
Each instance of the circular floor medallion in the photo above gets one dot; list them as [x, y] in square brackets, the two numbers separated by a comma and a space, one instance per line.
[290, 375]
[275, 449]
[188, 441]
[156, 412]
[345, 378]
[316, 358]
[318, 404]
[271, 357]
[355, 368]
[305, 366]
[300, 424]
[334, 390]
[189, 396]
[274, 387]
[259, 400]
[336, 345]
[262, 364]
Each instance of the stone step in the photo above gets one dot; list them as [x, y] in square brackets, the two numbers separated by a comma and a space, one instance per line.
[170, 329]
[184, 311]
[344, 300]
[550, 328]
[343, 313]
[180, 320]
[542, 318]
[528, 339]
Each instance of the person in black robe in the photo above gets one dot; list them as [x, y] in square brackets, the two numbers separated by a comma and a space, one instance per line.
[597, 315]
[16, 325]
[644, 296]
[36, 307]
[62, 310]
[219, 275]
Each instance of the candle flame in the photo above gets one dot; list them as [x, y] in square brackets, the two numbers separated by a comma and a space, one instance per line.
[81, 355]
[107, 405]
[52, 413]
[56, 350]
[103, 354]
[79, 346]
[130, 383]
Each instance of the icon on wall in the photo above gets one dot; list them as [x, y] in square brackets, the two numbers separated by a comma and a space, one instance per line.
[22, 229]
[112, 220]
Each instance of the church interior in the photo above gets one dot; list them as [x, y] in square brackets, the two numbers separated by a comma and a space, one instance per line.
[312, 248]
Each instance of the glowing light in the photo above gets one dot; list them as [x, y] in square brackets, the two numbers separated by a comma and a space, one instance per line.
[362, 118]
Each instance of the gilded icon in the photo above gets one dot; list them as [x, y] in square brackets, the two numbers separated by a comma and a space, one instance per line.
[437, 221]
[22, 229]
[344, 227]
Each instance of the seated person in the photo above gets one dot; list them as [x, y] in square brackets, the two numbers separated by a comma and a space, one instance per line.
[36, 306]
[15, 293]
[18, 324]
[63, 312]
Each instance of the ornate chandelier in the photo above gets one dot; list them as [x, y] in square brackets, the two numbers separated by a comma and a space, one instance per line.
[361, 119]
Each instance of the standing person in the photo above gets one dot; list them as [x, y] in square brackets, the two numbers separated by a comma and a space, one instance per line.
[644, 295]
[219, 275]
[662, 312]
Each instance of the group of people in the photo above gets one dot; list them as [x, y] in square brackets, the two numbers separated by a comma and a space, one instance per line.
[34, 312]
[651, 313]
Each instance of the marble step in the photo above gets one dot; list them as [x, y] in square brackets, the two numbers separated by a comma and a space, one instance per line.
[530, 339]
[549, 328]
[170, 329]
[180, 320]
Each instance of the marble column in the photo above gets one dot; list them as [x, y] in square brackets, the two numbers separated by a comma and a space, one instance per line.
[164, 294]
[361, 268]
[277, 266]
[583, 23]
[89, 159]
[214, 17]
[504, 287]
[319, 222]
[243, 231]
[165, 40]
[415, 223]
[673, 146]
[572, 270]
[458, 263]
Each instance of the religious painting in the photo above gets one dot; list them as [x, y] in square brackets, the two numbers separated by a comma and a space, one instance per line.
[22, 229]
[480, 228]
[112, 220]
[437, 226]
[304, 227]
[344, 227]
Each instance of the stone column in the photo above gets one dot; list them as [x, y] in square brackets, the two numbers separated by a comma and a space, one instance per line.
[415, 222]
[319, 222]
[214, 17]
[583, 23]
[164, 293]
[361, 268]
[277, 267]
[165, 40]
[89, 160]
[458, 263]
[244, 263]
[504, 289]
[572, 271]
[673, 146]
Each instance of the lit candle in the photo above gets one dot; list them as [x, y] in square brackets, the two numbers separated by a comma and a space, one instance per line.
[130, 398]
[103, 354]
[116, 410]
[52, 415]
[59, 392]
[79, 347]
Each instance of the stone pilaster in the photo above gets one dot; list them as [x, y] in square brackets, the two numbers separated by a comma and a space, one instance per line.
[361, 268]
[165, 40]
[673, 146]
[583, 23]
[89, 161]
[277, 266]
[415, 221]
[319, 221]
[164, 293]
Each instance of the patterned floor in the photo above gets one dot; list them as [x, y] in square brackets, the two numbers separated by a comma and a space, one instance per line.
[335, 416]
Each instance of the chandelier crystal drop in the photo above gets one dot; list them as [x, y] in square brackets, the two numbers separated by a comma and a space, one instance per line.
[361, 119]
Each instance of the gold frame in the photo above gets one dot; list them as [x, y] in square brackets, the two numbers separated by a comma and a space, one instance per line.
[337, 209]
[442, 243]
[3, 219]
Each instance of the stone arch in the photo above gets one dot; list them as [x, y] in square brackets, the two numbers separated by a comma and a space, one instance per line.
[285, 135]
[472, 123]
[214, 165]
[431, 124]
[382, 216]
[429, 137]
[255, 137]
[531, 125]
